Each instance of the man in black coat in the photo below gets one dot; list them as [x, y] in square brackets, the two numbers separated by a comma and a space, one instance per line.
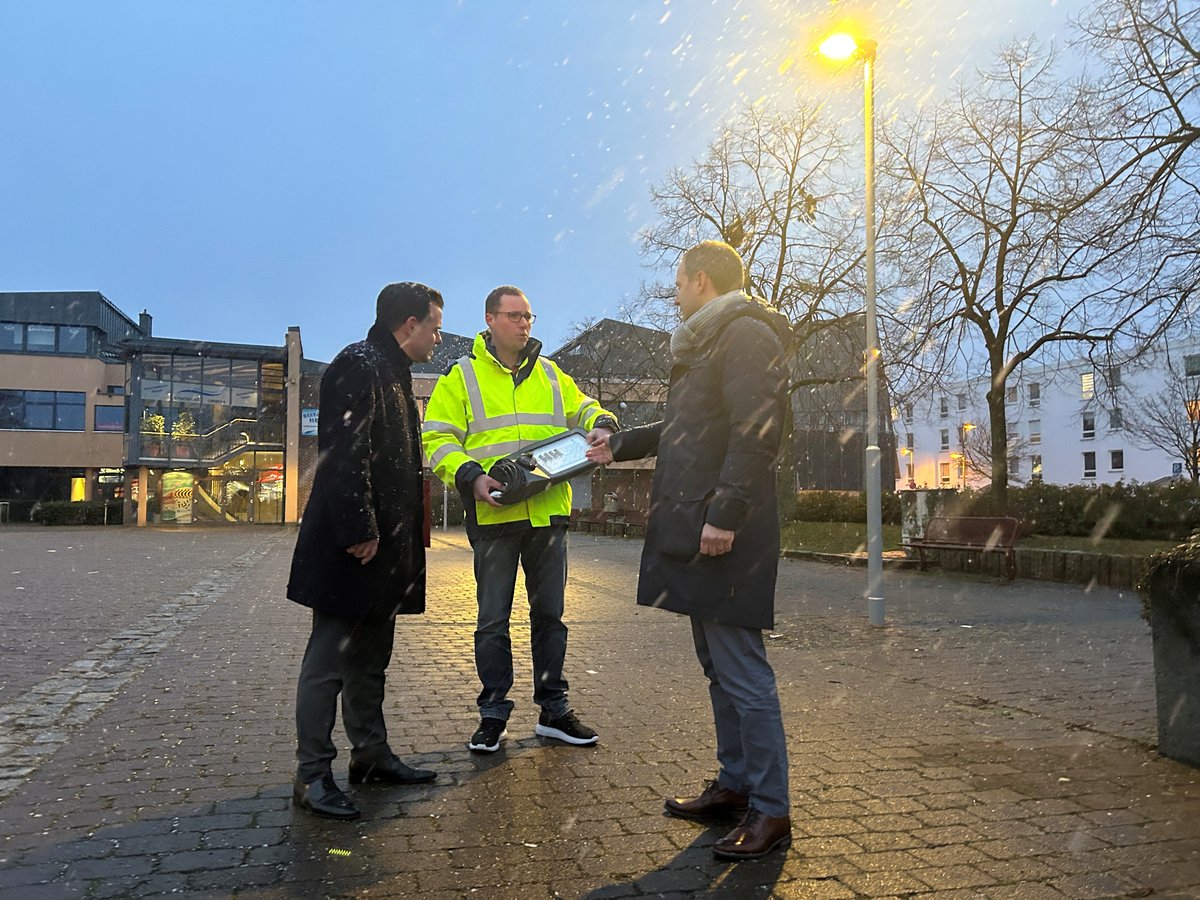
[360, 556]
[712, 538]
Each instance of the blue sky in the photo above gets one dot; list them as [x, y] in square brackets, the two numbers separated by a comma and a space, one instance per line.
[236, 168]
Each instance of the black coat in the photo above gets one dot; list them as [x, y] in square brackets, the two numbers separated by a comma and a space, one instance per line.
[717, 449]
[368, 484]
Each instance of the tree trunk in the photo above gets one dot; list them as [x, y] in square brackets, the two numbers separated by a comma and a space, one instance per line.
[999, 426]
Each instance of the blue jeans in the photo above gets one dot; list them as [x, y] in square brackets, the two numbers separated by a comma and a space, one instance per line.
[542, 553]
[751, 747]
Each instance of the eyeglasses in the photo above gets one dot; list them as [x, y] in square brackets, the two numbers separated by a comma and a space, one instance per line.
[516, 316]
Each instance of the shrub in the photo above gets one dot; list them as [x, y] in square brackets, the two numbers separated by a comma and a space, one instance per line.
[843, 506]
[64, 512]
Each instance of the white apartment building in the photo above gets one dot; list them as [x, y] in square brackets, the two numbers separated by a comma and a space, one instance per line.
[1077, 422]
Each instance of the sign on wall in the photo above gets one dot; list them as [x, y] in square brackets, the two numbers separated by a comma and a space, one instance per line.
[308, 422]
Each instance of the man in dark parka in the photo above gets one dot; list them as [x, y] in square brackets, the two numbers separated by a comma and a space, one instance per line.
[712, 538]
[360, 556]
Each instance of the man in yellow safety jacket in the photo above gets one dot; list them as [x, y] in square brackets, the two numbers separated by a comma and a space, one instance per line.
[500, 397]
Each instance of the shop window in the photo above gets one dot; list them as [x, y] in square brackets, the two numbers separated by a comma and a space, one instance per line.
[1089, 464]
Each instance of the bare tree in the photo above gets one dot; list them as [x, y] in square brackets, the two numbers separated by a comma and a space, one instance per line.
[1169, 419]
[774, 186]
[1019, 227]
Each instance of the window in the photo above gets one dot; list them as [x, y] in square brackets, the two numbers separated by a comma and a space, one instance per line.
[1191, 364]
[1089, 464]
[943, 408]
[908, 440]
[908, 414]
[12, 336]
[962, 401]
[1114, 376]
[72, 339]
[109, 418]
[1035, 467]
[1116, 460]
[117, 390]
[39, 338]
[42, 410]
[1035, 431]
[1087, 385]
[1035, 393]
[1115, 421]
[1193, 410]
[1014, 466]
[1089, 424]
[1010, 394]
[945, 438]
[911, 472]
[944, 471]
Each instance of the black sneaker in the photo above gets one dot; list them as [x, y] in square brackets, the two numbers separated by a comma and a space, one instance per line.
[488, 736]
[566, 727]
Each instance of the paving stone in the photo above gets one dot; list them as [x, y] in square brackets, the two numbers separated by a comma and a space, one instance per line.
[1009, 760]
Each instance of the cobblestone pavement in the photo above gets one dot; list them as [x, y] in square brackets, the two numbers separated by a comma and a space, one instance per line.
[995, 740]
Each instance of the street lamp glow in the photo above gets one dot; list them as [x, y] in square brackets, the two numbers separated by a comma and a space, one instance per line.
[839, 46]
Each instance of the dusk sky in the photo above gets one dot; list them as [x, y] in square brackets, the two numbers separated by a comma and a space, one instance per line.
[236, 168]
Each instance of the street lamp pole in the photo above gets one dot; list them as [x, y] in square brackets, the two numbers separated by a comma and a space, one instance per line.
[845, 46]
[875, 599]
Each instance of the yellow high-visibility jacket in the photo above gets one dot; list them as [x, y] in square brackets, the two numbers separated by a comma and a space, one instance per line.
[481, 410]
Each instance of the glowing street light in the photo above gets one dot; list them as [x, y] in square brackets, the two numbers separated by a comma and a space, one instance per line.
[844, 46]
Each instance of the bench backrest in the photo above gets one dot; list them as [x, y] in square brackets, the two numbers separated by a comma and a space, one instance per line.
[978, 531]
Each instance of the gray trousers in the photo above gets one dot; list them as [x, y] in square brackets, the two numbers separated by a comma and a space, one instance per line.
[344, 657]
[751, 746]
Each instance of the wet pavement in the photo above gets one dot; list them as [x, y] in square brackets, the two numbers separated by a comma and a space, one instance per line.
[995, 740]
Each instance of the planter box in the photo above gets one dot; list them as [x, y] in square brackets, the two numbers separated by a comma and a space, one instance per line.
[1172, 592]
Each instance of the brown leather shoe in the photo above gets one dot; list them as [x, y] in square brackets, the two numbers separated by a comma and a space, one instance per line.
[756, 836]
[715, 802]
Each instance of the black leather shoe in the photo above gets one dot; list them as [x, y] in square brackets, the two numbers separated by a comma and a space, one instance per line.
[715, 802]
[324, 798]
[390, 770]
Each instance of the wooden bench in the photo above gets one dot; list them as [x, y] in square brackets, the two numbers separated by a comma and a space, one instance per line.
[983, 533]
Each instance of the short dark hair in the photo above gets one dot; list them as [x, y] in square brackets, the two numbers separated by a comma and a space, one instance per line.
[397, 302]
[717, 260]
[492, 303]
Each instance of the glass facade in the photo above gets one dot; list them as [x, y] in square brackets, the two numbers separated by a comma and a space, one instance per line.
[216, 426]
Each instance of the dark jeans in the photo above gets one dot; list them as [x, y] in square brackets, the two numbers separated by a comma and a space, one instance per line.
[542, 553]
[751, 746]
[347, 657]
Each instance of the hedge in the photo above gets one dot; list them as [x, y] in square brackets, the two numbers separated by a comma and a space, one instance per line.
[64, 512]
[1125, 510]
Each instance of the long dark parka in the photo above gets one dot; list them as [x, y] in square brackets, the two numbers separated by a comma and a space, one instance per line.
[368, 484]
[717, 448]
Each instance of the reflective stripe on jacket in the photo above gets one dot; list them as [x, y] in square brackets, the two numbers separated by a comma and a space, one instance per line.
[480, 411]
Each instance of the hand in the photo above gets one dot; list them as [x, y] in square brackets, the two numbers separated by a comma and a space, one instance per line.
[365, 551]
[715, 541]
[482, 488]
[599, 452]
